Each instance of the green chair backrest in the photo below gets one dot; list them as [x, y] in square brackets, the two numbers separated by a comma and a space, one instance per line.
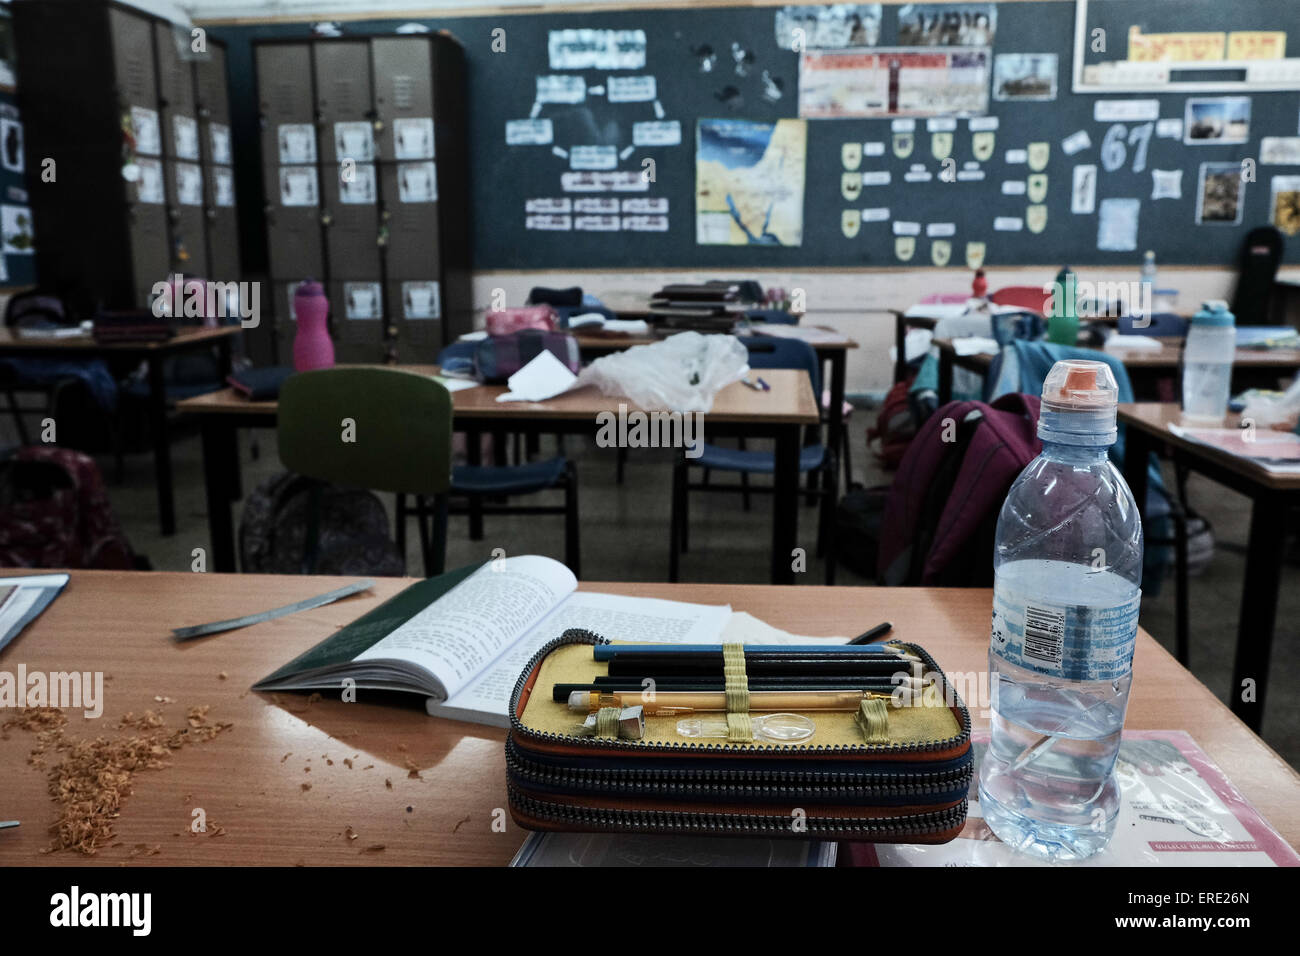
[383, 429]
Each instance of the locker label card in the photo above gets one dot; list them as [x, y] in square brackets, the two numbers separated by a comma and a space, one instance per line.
[354, 141]
[298, 186]
[223, 187]
[362, 300]
[185, 137]
[417, 182]
[189, 184]
[413, 137]
[219, 143]
[421, 300]
[297, 142]
[144, 125]
[149, 188]
[357, 184]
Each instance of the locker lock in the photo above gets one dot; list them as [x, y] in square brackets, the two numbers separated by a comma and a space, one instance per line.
[211, 214]
[173, 214]
[326, 219]
[392, 332]
[378, 125]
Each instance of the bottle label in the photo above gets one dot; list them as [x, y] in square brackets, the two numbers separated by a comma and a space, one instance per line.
[1074, 642]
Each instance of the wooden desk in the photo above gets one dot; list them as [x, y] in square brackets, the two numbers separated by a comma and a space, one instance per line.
[1272, 496]
[249, 780]
[832, 352]
[1251, 367]
[780, 414]
[186, 339]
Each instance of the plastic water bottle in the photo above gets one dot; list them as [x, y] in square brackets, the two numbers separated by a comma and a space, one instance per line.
[1147, 288]
[1067, 586]
[1207, 362]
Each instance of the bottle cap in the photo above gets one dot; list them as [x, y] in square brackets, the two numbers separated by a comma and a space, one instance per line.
[309, 287]
[1079, 399]
[1214, 313]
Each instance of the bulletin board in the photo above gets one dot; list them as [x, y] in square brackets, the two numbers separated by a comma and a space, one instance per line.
[892, 135]
[17, 251]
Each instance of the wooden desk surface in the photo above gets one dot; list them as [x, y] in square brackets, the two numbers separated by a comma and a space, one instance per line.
[249, 780]
[1168, 356]
[790, 401]
[1154, 418]
[836, 341]
[185, 336]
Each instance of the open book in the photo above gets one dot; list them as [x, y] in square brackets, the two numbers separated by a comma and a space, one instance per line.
[462, 639]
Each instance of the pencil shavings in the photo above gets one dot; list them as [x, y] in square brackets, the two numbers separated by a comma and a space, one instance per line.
[95, 776]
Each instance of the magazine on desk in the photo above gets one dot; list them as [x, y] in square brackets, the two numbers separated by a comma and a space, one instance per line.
[462, 639]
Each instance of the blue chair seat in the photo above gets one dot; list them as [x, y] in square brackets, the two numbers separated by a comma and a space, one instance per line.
[507, 479]
[754, 462]
[175, 392]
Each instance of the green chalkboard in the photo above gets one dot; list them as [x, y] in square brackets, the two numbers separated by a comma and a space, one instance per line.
[726, 64]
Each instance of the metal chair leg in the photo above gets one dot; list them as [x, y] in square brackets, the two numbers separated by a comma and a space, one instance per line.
[438, 547]
[675, 523]
[1182, 637]
[399, 531]
[422, 524]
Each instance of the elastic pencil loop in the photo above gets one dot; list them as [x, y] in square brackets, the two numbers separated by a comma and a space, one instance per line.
[740, 729]
[607, 722]
[872, 719]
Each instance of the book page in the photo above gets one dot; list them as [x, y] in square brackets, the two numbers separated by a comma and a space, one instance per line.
[469, 627]
[611, 616]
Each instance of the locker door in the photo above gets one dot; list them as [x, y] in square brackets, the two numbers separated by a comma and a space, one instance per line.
[222, 229]
[189, 248]
[147, 227]
[410, 202]
[403, 84]
[133, 58]
[350, 211]
[415, 309]
[293, 223]
[285, 103]
[277, 308]
[358, 310]
[213, 108]
[180, 132]
[343, 101]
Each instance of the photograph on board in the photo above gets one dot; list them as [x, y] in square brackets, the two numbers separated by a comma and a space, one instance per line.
[1024, 76]
[1285, 204]
[1220, 194]
[1217, 121]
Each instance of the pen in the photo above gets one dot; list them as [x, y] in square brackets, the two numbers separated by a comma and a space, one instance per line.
[613, 685]
[761, 665]
[757, 388]
[764, 385]
[6, 824]
[669, 703]
[867, 637]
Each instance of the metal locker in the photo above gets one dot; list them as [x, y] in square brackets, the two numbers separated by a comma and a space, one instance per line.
[293, 227]
[133, 61]
[350, 212]
[185, 196]
[286, 104]
[147, 229]
[415, 310]
[343, 101]
[403, 85]
[179, 121]
[410, 204]
[276, 308]
[222, 228]
[357, 310]
[212, 105]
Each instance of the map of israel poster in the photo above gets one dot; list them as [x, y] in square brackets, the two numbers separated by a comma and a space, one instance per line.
[749, 179]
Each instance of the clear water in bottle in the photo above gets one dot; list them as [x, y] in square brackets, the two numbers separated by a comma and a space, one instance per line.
[1067, 576]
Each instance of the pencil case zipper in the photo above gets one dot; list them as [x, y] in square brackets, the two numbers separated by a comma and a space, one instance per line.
[915, 825]
[581, 636]
[763, 785]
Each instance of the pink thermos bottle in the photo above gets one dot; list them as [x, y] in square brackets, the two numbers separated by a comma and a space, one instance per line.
[312, 347]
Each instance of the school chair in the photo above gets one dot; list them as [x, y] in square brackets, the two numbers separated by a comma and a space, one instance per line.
[401, 443]
[816, 459]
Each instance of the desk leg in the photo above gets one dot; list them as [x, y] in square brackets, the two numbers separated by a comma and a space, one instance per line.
[900, 340]
[785, 503]
[474, 456]
[839, 363]
[1259, 605]
[236, 479]
[1137, 456]
[162, 452]
[945, 377]
[216, 481]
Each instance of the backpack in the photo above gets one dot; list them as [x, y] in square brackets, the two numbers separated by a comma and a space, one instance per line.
[858, 518]
[497, 357]
[895, 426]
[297, 525]
[54, 513]
[941, 517]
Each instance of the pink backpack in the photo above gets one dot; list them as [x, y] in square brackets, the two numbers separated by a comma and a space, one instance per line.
[509, 321]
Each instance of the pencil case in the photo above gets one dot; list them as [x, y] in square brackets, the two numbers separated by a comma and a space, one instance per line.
[902, 783]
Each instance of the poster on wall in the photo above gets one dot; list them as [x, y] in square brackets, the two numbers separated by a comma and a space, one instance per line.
[947, 24]
[1285, 204]
[1024, 76]
[11, 141]
[835, 26]
[1217, 121]
[1219, 194]
[749, 182]
[16, 221]
[893, 83]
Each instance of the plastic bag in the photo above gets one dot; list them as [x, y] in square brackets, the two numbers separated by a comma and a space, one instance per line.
[1275, 411]
[680, 374]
